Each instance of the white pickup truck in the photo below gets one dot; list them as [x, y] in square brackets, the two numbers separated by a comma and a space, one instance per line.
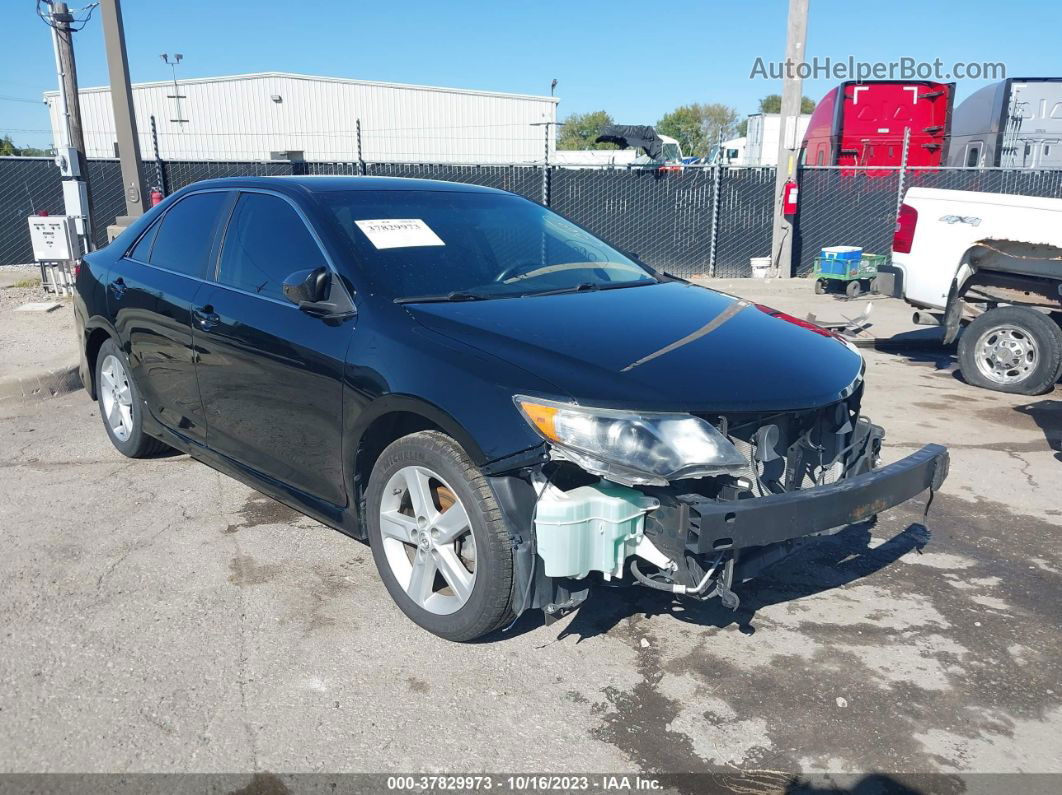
[988, 265]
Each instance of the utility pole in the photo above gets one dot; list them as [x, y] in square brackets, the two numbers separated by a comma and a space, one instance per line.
[71, 146]
[124, 119]
[788, 145]
[61, 19]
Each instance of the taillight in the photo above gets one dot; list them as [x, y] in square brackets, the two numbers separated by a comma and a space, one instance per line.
[77, 268]
[906, 221]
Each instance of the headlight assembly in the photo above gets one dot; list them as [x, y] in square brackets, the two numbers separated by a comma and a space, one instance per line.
[631, 447]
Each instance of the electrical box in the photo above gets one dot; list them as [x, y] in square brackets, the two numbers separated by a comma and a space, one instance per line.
[75, 200]
[53, 237]
[67, 160]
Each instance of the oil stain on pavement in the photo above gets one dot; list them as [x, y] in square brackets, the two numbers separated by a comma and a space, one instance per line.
[858, 653]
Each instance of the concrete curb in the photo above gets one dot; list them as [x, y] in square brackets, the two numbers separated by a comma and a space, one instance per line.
[40, 385]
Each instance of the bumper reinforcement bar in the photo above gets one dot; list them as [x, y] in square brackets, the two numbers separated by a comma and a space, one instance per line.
[779, 517]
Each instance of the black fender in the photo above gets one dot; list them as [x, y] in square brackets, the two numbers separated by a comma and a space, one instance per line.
[355, 428]
[89, 327]
[408, 404]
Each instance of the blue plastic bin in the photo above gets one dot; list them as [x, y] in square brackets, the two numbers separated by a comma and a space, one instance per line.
[840, 260]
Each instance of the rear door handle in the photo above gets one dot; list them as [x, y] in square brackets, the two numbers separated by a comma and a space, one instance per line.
[205, 317]
[118, 287]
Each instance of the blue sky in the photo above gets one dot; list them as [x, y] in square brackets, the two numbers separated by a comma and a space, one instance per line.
[635, 59]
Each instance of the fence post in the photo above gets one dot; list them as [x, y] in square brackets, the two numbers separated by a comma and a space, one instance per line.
[902, 181]
[361, 160]
[160, 177]
[713, 229]
[545, 168]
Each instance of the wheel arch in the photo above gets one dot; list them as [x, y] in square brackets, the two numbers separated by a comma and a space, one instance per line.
[95, 335]
[386, 420]
[1004, 272]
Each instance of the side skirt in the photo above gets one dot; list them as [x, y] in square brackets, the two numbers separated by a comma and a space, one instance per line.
[338, 517]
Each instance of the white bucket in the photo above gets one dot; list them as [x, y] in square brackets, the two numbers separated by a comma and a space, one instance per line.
[761, 267]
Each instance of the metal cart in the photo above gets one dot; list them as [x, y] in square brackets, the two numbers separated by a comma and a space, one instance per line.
[856, 275]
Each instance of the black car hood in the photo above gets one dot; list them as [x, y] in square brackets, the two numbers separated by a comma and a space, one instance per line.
[661, 347]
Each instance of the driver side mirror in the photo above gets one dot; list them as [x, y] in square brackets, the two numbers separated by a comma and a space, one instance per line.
[308, 287]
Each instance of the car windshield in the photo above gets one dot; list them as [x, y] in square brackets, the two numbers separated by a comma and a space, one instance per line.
[453, 245]
[671, 153]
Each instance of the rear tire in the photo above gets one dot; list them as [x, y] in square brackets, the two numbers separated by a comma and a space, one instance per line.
[439, 539]
[120, 404]
[854, 289]
[1012, 349]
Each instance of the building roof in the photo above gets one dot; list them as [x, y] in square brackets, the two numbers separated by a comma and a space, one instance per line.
[315, 78]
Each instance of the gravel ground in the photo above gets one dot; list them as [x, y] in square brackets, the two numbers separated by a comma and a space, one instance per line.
[158, 616]
[33, 342]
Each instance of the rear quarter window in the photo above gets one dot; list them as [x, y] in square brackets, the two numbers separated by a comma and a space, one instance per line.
[142, 250]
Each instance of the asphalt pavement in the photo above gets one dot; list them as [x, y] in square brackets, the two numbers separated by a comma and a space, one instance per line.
[158, 616]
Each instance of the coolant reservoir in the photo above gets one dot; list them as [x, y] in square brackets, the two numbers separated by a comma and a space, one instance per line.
[591, 528]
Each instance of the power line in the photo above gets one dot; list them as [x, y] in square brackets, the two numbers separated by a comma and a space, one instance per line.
[74, 22]
[6, 98]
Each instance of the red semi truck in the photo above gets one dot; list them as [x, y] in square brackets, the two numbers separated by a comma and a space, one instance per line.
[862, 124]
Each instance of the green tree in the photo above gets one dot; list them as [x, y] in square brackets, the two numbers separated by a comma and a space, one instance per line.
[699, 126]
[579, 130]
[8, 149]
[772, 103]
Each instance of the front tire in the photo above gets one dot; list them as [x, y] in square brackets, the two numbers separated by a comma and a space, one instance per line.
[1012, 349]
[438, 538]
[121, 406]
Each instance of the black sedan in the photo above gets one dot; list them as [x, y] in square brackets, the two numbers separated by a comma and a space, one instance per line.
[505, 407]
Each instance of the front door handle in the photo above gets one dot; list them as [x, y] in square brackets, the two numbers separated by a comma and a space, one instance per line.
[118, 287]
[205, 317]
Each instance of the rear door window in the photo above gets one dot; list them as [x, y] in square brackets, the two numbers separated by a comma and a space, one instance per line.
[265, 243]
[186, 235]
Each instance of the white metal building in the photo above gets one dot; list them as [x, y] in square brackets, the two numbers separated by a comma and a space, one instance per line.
[276, 115]
[761, 146]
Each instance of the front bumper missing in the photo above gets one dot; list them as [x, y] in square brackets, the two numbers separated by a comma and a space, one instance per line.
[701, 545]
[762, 521]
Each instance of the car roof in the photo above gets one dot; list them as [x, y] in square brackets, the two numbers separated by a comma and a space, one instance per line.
[323, 183]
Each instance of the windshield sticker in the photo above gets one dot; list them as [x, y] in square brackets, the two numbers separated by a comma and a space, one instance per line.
[399, 233]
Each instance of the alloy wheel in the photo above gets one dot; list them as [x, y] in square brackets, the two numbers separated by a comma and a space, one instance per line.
[427, 540]
[116, 397]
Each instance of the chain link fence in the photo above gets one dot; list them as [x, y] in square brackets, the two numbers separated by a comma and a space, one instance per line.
[664, 218]
[524, 180]
[744, 219]
[701, 220]
[843, 205]
[27, 186]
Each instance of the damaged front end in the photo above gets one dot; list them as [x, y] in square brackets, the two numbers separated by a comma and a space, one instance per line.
[691, 504]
